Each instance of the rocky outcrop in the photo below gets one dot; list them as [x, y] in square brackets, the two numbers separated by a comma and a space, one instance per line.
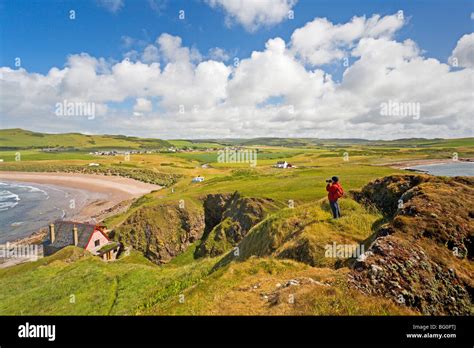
[161, 232]
[228, 218]
[422, 258]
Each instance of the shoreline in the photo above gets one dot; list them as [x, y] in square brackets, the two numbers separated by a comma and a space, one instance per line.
[408, 164]
[103, 195]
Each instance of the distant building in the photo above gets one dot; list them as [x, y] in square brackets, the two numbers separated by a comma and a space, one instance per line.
[198, 179]
[94, 164]
[86, 236]
[282, 164]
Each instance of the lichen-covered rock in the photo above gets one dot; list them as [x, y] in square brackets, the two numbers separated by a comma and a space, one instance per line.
[423, 257]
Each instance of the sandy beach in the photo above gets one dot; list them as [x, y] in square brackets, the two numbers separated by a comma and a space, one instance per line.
[106, 195]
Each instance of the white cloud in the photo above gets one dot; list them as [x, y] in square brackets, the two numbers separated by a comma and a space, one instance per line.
[389, 70]
[253, 14]
[142, 105]
[275, 73]
[172, 49]
[219, 54]
[150, 54]
[131, 55]
[463, 53]
[272, 92]
[321, 42]
[111, 5]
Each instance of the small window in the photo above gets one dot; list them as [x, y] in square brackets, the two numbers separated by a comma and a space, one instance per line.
[97, 243]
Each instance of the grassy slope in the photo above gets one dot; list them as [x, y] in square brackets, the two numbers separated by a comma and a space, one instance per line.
[127, 286]
[302, 233]
[252, 288]
[133, 285]
[22, 139]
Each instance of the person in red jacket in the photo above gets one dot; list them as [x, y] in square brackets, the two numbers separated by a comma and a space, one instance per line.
[335, 192]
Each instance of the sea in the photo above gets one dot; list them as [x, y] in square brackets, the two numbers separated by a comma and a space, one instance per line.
[454, 168]
[26, 208]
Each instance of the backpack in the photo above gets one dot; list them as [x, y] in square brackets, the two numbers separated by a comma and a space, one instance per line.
[339, 192]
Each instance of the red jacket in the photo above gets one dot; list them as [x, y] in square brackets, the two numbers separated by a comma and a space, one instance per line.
[335, 191]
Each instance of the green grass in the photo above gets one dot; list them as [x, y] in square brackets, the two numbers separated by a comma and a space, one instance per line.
[299, 185]
[238, 289]
[89, 286]
[303, 233]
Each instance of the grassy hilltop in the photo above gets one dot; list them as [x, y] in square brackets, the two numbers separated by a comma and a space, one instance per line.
[22, 139]
[183, 237]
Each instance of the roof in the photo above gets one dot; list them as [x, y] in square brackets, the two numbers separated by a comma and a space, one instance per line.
[107, 247]
[63, 231]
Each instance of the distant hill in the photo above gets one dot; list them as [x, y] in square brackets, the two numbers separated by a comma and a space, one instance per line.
[301, 142]
[16, 138]
[23, 139]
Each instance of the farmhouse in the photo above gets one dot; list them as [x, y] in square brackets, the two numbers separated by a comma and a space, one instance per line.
[198, 179]
[283, 164]
[90, 237]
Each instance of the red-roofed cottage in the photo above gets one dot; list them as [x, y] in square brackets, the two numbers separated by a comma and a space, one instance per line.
[90, 237]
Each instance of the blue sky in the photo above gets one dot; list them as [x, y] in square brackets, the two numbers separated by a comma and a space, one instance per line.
[43, 36]
[180, 79]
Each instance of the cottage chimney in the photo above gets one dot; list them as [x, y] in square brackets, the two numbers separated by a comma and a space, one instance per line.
[74, 233]
[52, 235]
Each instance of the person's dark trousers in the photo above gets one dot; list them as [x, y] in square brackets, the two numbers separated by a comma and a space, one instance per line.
[336, 213]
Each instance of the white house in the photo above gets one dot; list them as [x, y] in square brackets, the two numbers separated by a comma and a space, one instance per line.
[282, 164]
[198, 179]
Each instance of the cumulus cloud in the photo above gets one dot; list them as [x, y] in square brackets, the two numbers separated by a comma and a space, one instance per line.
[389, 71]
[463, 53]
[219, 54]
[276, 73]
[321, 42]
[150, 54]
[253, 14]
[172, 49]
[273, 92]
